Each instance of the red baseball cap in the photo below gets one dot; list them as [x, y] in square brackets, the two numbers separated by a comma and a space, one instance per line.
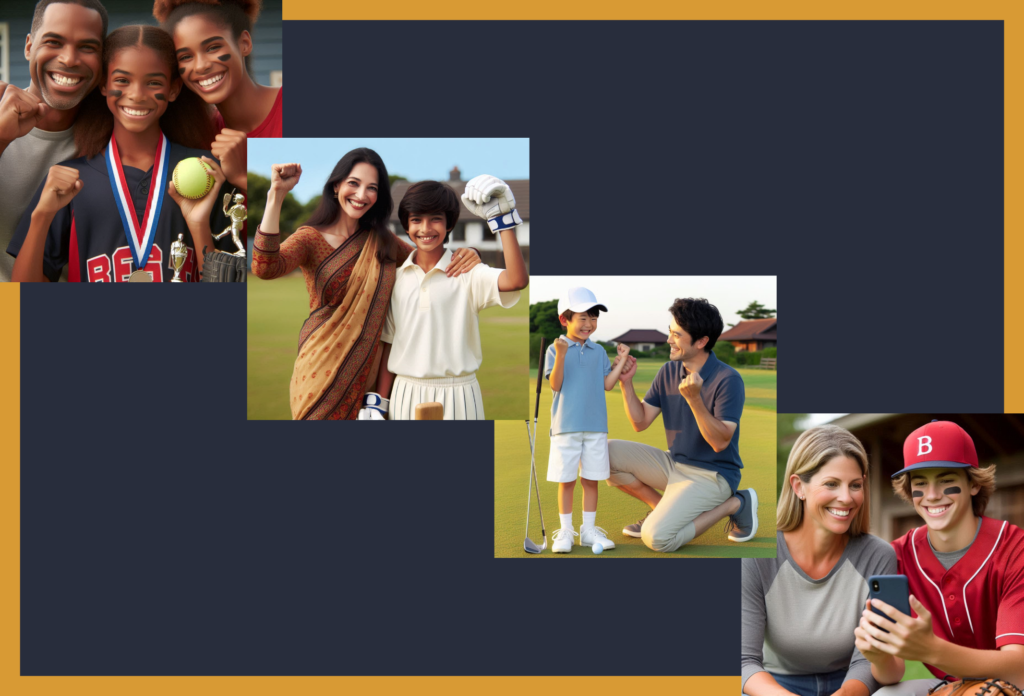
[938, 445]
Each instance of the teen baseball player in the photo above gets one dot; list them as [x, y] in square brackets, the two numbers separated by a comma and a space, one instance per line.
[579, 373]
[966, 572]
[431, 338]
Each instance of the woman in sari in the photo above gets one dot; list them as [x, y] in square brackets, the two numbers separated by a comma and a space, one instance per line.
[348, 258]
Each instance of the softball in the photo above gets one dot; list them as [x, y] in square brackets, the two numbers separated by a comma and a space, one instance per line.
[193, 178]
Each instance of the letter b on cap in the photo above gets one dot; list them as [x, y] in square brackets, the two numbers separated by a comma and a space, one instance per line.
[924, 445]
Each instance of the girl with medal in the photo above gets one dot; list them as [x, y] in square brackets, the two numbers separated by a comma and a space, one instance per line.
[112, 214]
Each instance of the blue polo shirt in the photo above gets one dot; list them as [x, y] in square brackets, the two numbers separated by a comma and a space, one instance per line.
[580, 406]
[723, 395]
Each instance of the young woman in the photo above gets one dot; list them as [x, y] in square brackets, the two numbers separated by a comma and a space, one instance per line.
[213, 40]
[801, 608]
[348, 257]
[111, 215]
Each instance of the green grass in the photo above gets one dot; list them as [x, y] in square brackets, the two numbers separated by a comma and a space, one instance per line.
[277, 308]
[916, 670]
[616, 509]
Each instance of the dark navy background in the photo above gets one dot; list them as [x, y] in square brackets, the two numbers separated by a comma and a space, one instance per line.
[162, 533]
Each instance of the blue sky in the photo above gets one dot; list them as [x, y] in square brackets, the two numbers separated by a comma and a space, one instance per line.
[413, 158]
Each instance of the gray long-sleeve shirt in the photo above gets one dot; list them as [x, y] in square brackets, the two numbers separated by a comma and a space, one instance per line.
[793, 624]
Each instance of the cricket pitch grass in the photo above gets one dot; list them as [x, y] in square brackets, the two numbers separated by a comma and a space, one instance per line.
[277, 308]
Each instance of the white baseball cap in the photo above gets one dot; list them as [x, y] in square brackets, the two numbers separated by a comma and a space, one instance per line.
[579, 300]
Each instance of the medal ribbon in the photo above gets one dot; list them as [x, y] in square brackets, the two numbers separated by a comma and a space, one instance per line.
[140, 236]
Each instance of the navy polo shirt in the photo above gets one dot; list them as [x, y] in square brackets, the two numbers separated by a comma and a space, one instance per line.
[580, 406]
[723, 395]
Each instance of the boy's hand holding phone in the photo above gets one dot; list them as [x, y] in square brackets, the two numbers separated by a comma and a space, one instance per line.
[900, 635]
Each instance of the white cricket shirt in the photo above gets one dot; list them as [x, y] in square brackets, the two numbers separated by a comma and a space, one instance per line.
[433, 321]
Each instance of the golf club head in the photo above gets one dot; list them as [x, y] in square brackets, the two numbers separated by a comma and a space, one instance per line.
[530, 547]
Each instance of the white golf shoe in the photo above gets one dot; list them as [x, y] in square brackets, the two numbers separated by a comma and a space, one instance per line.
[596, 535]
[563, 540]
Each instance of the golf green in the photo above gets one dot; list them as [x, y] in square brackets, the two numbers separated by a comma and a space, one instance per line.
[277, 308]
[615, 509]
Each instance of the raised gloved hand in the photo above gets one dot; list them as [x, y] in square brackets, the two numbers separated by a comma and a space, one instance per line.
[375, 407]
[491, 198]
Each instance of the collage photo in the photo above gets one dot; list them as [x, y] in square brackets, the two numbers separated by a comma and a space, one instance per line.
[420, 241]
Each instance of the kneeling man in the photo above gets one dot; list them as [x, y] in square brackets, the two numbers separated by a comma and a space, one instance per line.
[701, 400]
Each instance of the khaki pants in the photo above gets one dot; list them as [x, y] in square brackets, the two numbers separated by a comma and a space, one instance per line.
[688, 491]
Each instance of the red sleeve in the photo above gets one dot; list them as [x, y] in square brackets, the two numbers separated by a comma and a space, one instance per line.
[1010, 621]
[272, 125]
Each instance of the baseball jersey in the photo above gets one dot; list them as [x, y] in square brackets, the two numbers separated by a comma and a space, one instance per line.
[979, 602]
[87, 235]
[271, 127]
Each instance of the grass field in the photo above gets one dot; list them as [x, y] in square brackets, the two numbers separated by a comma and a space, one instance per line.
[277, 308]
[616, 509]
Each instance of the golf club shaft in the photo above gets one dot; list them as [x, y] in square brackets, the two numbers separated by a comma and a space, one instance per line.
[533, 470]
[536, 411]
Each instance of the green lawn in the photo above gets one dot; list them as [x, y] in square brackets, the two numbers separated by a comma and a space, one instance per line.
[615, 509]
[277, 309]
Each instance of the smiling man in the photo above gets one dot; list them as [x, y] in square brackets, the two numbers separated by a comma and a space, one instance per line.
[64, 52]
[966, 572]
[701, 400]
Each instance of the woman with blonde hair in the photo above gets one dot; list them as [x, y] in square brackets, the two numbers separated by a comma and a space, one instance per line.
[801, 608]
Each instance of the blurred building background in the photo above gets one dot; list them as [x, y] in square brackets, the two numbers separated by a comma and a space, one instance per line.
[471, 231]
[16, 22]
[999, 439]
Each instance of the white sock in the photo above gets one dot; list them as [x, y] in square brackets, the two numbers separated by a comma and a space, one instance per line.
[589, 519]
[566, 520]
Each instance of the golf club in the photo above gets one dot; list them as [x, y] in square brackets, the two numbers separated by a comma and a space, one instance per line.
[529, 546]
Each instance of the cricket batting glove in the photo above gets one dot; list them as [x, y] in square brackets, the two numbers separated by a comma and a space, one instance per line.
[491, 198]
[375, 407]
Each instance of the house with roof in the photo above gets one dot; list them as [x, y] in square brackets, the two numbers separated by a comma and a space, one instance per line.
[751, 335]
[471, 231]
[642, 339]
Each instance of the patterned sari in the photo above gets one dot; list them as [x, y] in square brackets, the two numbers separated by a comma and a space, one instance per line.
[338, 344]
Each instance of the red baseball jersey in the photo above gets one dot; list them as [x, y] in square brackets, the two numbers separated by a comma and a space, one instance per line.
[979, 602]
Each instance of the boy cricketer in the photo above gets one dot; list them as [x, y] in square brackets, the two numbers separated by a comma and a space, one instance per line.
[431, 338]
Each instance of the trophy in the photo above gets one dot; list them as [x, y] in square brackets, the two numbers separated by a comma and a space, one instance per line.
[237, 215]
[222, 266]
[179, 252]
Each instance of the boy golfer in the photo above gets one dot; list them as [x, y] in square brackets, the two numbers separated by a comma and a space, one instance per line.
[431, 337]
[966, 573]
[579, 373]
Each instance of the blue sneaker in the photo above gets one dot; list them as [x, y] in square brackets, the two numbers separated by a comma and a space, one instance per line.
[743, 525]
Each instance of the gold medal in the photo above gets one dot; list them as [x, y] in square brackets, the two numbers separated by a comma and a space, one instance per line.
[140, 277]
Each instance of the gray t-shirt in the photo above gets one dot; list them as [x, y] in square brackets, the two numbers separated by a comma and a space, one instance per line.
[793, 624]
[948, 559]
[23, 166]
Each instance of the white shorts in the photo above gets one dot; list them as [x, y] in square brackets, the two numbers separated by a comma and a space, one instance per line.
[583, 452]
[460, 396]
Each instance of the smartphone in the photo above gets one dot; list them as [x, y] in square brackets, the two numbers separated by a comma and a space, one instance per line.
[891, 589]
